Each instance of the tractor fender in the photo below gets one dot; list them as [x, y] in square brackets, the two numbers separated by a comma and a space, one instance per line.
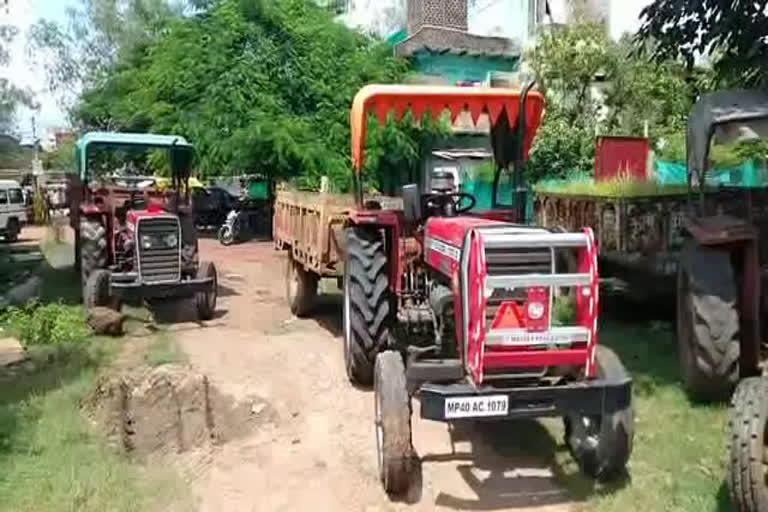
[715, 263]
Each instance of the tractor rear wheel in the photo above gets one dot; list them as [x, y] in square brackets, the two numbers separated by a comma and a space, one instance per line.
[707, 323]
[602, 444]
[300, 287]
[748, 424]
[368, 310]
[93, 247]
[205, 302]
[393, 422]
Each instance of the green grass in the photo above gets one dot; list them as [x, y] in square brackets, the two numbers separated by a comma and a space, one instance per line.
[621, 187]
[163, 350]
[678, 463]
[51, 458]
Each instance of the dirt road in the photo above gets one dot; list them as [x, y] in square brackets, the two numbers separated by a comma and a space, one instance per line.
[313, 447]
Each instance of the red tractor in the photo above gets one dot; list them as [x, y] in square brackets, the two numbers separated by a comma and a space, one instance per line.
[132, 240]
[455, 307]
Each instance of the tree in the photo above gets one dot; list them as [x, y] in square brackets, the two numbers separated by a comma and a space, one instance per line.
[258, 86]
[566, 63]
[594, 85]
[82, 53]
[10, 95]
[733, 34]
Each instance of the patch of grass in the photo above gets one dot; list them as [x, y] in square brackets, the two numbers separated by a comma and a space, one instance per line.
[51, 459]
[46, 324]
[678, 462]
[163, 350]
[620, 187]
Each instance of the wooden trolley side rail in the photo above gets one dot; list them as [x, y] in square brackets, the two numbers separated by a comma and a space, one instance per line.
[311, 225]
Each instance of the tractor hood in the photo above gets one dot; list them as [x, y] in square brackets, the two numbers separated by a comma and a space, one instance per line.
[134, 216]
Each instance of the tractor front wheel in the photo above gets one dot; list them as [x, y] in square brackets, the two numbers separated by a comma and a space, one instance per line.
[300, 287]
[602, 444]
[393, 422]
[748, 424]
[96, 291]
[205, 302]
[93, 247]
[13, 228]
[707, 323]
[368, 310]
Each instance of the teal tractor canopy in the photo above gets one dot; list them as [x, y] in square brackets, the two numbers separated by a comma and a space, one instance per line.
[181, 152]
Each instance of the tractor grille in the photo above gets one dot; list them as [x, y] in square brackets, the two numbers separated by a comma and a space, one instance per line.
[509, 261]
[159, 264]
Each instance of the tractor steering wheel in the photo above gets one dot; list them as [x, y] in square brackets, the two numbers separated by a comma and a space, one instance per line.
[460, 196]
[438, 201]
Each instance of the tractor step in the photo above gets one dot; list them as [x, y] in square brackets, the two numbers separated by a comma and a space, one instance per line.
[434, 370]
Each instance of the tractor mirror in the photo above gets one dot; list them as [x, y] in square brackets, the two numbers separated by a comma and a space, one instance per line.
[411, 203]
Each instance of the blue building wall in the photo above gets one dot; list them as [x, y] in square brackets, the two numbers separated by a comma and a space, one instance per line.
[461, 68]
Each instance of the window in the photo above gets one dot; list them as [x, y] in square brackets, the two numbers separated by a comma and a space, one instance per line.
[3, 196]
[16, 196]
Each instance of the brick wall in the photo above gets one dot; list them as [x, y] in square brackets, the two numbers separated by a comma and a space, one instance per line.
[437, 13]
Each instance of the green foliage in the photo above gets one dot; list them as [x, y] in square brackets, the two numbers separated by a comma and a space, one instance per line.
[618, 187]
[564, 310]
[643, 91]
[258, 86]
[40, 208]
[566, 62]
[721, 156]
[46, 324]
[62, 158]
[733, 35]
[560, 149]
[594, 85]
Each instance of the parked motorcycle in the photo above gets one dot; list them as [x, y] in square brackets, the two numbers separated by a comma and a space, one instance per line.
[233, 228]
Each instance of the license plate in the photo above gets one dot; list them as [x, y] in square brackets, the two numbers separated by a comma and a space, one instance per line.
[476, 406]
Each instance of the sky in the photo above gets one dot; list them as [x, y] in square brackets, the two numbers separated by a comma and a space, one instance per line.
[22, 14]
[50, 117]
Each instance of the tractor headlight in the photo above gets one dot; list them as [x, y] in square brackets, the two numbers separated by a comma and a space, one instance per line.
[160, 241]
[171, 240]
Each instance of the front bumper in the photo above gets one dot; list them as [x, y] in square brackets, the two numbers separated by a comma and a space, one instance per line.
[129, 286]
[594, 397]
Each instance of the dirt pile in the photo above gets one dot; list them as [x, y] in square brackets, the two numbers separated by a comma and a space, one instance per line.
[169, 409]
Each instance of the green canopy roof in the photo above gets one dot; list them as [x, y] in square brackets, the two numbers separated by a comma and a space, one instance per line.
[115, 140]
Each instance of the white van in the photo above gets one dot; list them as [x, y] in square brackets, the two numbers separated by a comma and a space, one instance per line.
[13, 212]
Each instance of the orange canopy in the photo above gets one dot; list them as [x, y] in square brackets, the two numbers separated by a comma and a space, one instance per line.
[433, 100]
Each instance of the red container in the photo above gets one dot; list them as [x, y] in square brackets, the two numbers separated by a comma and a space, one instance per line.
[621, 156]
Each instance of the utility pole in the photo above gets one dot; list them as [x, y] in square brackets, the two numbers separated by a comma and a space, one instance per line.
[37, 167]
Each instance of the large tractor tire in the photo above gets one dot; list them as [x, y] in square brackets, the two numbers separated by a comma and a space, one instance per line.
[393, 423]
[300, 287]
[707, 323]
[602, 444]
[93, 247]
[748, 424]
[205, 301]
[368, 309]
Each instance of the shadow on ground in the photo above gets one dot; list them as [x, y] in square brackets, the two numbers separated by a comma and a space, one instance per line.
[329, 313]
[512, 464]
